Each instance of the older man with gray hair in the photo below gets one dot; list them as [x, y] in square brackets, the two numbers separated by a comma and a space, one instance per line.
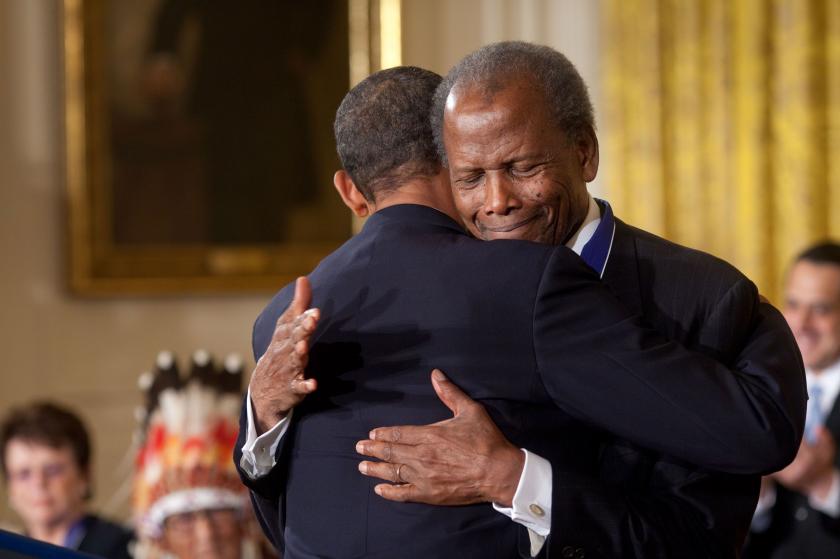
[514, 125]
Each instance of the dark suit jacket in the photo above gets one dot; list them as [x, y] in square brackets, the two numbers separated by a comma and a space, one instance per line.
[796, 530]
[648, 504]
[105, 539]
[525, 329]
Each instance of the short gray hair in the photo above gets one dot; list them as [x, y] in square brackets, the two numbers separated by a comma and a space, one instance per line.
[493, 67]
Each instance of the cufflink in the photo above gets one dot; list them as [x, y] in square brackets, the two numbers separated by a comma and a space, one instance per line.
[536, 510]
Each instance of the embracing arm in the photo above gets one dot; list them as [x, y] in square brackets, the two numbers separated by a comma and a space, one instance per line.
[680, 512]
[278, 384]
[604, 367]
[629, 380]
[746, 418]
[683, 512]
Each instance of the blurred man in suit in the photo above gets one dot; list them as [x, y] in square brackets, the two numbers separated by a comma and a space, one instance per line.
[798, 514]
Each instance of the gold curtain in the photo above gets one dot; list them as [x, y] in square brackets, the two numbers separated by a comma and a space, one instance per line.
[724, 125]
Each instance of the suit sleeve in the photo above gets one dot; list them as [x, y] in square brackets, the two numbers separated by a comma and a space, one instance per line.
[690, 514]
[642, 504]
[626, 378]
[266, 491]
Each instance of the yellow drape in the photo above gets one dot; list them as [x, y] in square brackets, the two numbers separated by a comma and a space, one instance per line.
[724, 125]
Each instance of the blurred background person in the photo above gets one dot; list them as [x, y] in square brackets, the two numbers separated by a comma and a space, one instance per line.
[188, 500]
[46, 455]
[798, 514]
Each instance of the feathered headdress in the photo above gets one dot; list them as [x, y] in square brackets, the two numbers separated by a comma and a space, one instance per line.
[188, 428]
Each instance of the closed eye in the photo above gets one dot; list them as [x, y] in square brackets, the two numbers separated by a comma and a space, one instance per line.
[526, 170]
[469, 181]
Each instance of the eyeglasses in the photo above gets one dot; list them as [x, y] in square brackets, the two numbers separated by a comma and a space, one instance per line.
[47, 471]
[222, 520]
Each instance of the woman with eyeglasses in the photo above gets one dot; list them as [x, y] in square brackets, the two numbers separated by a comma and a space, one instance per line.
[45, 457]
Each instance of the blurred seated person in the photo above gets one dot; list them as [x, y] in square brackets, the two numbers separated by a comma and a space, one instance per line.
[188, 500]
[798, 514]
[46, 467]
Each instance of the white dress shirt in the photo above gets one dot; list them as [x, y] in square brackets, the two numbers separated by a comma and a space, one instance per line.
[531, 505]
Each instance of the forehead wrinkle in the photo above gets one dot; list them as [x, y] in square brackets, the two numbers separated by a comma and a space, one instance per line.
[477, 154]
[480, 129]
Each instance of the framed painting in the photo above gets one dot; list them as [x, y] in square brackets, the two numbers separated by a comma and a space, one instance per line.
[199, 146]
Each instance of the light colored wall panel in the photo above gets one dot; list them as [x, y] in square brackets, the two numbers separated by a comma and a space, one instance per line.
[81, 352]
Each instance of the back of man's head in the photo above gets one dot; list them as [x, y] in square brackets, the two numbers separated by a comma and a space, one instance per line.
[382, 131]
[494, 67]
[826, 252]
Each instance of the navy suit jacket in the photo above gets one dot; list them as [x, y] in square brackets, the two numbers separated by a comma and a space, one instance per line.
[526, 329]
[645, 502]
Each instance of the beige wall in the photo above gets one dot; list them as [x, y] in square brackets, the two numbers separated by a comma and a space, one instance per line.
[88, 353]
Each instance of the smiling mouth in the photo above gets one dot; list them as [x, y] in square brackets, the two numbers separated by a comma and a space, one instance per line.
[507, 228]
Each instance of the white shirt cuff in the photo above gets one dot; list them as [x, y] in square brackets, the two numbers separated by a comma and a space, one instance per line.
[258, 451]
[532, 500]
[830, 504]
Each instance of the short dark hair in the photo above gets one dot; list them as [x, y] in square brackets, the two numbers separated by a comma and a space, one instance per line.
[493, 67]
[382, 129]
[48, 424]
[825, 252]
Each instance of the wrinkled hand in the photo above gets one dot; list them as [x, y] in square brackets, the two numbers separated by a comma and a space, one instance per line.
[278, 383]
[458, 461]
[811, 470]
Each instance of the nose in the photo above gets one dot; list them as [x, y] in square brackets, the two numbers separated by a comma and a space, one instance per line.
[40, 478]
[500, 198]
[203, 527]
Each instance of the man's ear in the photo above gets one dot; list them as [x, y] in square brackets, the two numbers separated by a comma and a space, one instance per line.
[587, 146]
[350, 194]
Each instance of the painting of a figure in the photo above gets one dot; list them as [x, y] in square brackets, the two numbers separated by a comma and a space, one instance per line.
[215, 131]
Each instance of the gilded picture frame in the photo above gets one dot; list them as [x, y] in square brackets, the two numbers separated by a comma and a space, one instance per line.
[150, 208]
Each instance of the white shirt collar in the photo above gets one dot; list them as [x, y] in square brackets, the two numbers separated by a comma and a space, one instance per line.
[587, 228]
[829, 382]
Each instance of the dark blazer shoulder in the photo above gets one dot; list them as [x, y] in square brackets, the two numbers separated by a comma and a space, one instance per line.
[354, 253]
[681, 260]
[106, 539]
[687, 294]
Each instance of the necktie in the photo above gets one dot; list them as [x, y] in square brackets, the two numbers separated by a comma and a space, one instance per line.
[815, 415]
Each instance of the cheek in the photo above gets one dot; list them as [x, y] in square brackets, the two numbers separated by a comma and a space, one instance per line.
[468, 203]
[68, 489]
[17, 493]
[175, 546]
[832, 330]
[544, 193]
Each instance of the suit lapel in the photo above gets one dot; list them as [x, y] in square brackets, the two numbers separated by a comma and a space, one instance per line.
[622, 271]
